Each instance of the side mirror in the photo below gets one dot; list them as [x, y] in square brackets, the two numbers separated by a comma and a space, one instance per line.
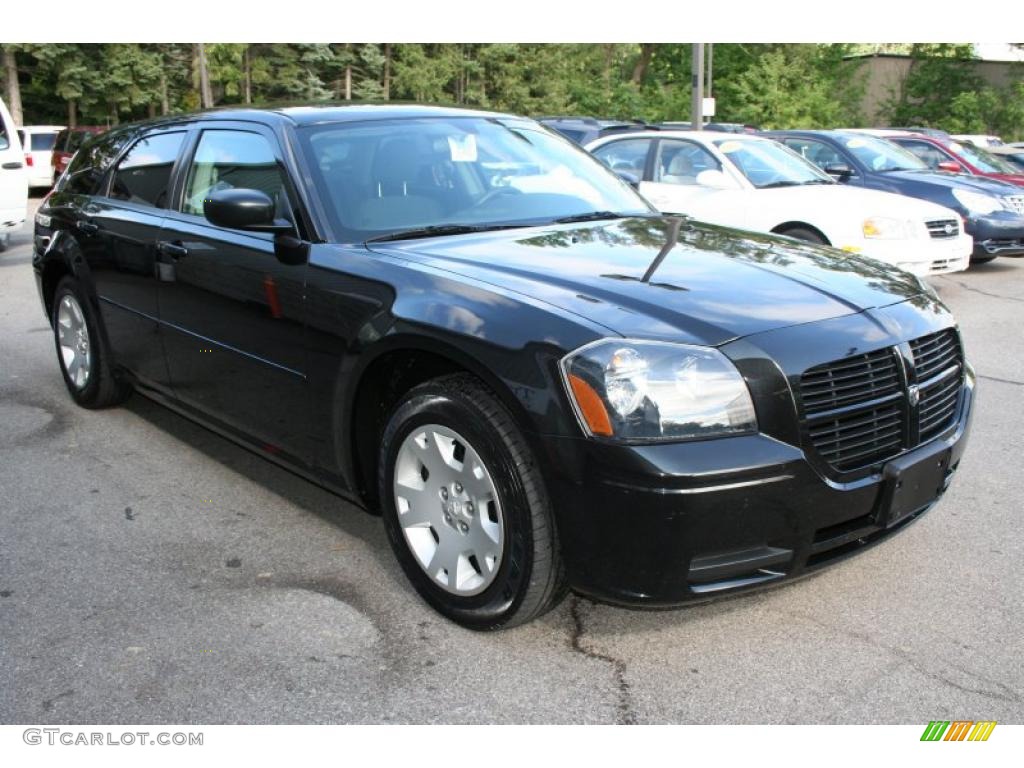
[247, 209]
[950, 165]
[840, 171]
[713, 179]
[630, 178]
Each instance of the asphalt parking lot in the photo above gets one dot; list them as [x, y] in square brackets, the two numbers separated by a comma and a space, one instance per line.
[152, 572]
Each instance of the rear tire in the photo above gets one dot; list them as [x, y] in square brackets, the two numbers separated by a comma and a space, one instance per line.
[805, 234]
[453, 446]
[85, 361]
[984, 259]
[5, 240]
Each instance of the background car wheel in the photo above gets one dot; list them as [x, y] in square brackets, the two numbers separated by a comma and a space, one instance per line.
[5, 240]
[84, 360]
[984, 259]
[465, 507]
[805, 234]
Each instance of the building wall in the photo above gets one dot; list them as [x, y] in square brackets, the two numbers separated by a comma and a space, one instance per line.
[885, 73]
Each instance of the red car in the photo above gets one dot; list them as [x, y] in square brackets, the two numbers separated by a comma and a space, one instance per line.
[959, 158]
[68, 142]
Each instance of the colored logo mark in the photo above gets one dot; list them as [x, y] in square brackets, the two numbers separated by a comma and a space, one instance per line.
[958, 730]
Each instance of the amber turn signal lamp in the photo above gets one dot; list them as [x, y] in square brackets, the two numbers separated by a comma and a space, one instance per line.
[591, 407]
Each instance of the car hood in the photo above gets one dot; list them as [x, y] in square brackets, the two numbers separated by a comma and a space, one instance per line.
[666, 277]
[984, 184]
[856, 202]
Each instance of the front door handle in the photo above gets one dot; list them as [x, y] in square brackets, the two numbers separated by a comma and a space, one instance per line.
[12, 166]
[174, 250]
[87, 227]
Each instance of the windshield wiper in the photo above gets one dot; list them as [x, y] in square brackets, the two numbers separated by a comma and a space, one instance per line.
[439, 230]
[816, 181]
[776, 184]
[592, 216]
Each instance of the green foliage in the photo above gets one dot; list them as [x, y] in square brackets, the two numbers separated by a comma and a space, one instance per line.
[777, 85]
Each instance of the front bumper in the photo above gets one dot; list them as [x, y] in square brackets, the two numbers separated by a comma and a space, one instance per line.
[664, 525]
[923, 257]
[1001, 234]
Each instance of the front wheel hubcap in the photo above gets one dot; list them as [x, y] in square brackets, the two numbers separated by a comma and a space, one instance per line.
[73, 339]
[448, 509]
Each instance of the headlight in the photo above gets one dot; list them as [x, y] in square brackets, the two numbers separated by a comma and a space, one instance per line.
[883, 228]
[644, 390]
[975, 202]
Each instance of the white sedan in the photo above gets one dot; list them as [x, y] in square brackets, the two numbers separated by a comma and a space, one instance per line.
[758, 184]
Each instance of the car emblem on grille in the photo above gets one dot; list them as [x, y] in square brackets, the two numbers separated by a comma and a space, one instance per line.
[949, 229]
[914, 395]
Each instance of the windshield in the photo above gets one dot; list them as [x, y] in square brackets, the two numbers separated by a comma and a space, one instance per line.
[768, 164]
[881, 155]
[984, 161]
[386, 177]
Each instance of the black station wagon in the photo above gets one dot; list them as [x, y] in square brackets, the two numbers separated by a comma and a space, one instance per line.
[461, 321]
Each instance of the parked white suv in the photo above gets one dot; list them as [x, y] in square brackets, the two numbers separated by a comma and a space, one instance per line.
[13, 181]
[37, 142]
[755, 183]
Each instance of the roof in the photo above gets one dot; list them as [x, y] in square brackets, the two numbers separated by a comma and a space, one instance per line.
[706, 135]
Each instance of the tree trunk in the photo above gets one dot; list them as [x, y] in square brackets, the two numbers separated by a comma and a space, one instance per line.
[387, 71]
[205, 93]
[640, 69]
[151, 109]
[165, 102]
[247, 63]
[13, 87]
[72, 113]
[348, 83]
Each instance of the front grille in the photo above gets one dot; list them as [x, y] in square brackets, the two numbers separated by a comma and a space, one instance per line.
[856, 411]
[935, 353]
[934, 356]
[945, 265]
[1015, 202]
[943, 228]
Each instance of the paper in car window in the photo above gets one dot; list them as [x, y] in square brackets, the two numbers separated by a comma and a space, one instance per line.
[463, 150]
[730, 146]
[854, 143]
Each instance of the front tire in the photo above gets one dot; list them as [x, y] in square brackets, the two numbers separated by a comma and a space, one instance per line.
[465, 507]
[83, 357]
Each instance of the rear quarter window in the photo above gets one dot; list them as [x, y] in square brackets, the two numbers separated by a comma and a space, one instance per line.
[91, 162]
[43, 142]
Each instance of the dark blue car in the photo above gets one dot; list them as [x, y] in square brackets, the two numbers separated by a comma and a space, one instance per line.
[993, 211]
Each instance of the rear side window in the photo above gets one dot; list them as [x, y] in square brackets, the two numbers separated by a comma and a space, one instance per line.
[626, 156]
[90, 164]
[43, 142]
[144, 174]
[228, 159]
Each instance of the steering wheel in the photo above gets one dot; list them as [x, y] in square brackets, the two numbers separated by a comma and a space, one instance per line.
[494, 193]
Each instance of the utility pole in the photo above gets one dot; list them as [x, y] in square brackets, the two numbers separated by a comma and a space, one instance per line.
[697, 84]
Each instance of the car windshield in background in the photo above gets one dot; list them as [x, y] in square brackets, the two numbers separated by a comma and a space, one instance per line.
[984, 161]
[388, 177]
[882, 156]
[767, 164]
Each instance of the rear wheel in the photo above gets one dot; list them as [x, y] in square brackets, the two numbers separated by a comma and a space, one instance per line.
[806, 234]
[5, 240]
[84, 360]
[984, 259]
[465, 508]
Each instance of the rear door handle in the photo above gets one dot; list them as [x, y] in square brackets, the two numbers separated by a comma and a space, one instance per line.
[87, 227]
[12, 166]
[174, 250]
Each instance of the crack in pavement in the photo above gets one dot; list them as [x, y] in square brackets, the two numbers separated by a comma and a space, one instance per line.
[626, 715]
[971, 288]
[1004, 692]
[1001, 381]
